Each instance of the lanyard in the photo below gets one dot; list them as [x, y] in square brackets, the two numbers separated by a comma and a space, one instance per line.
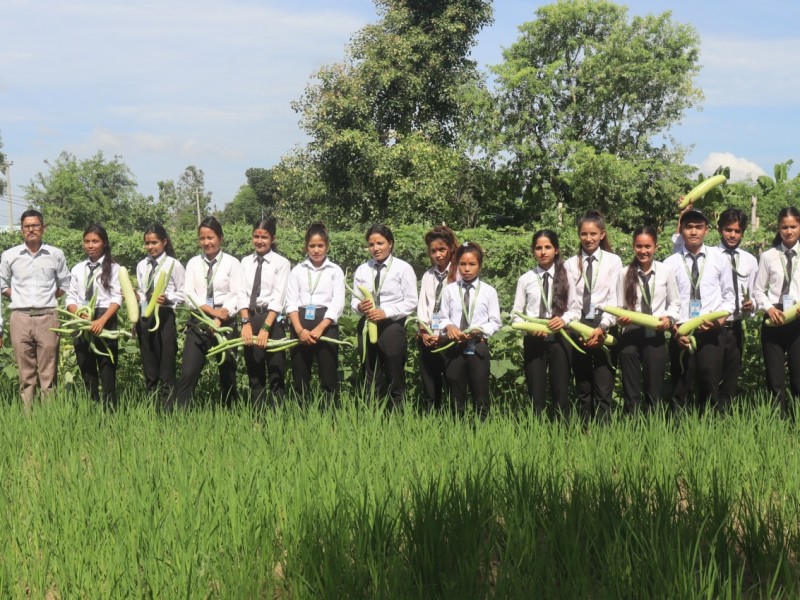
[695, 284]
[594, 274]
[469, 313]
[542, 295]
[383, 275]
[312, 289]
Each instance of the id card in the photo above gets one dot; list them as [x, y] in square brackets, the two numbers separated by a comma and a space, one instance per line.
[590, 314]
[694, 308]
[436, 321]
[470, 349]
[311, 312]
[788, 302]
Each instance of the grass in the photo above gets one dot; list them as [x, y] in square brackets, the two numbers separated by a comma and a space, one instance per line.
[358, 503]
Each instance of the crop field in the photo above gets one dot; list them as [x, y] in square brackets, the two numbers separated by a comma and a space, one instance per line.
[355, 502]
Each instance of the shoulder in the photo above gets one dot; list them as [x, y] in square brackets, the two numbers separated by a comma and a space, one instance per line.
[282, 261]
[613, 259]
[402, 265]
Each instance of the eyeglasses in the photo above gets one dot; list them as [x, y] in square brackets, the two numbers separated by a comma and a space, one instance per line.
[32, 227]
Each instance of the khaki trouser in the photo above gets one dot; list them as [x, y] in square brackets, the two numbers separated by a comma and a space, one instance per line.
[36, 352]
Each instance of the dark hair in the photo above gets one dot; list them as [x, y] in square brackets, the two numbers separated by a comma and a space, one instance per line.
[105, 272]
[448, 236]
[157, 229]
[317, 229]
[632, 276]
[383, 230]
[787, 211]
[732, 215]
[468, 247]
[269, 226]
[31, 213]
[212, 224]
[560, 294]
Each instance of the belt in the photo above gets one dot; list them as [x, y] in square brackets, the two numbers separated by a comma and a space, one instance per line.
[36, 312]
[259, 310]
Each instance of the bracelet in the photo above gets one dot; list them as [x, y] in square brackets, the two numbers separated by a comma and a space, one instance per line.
[266, 327]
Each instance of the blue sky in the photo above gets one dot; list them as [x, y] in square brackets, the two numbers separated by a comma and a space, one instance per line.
[169, 84]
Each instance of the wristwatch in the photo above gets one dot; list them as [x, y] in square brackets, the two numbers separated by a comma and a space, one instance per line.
[245, 320]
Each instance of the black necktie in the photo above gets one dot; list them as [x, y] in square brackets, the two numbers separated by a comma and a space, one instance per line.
[437, 296]
[545, 295]
[377, 284]
[732, 253]
[90, 281]
[787, 276]
[256, 284]
[210, 280]
[647, 300]
[695, 283]
[464, 323]
[587, 286]
[151, 278]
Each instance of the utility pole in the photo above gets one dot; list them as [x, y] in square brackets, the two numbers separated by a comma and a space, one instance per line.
[197, 200]
[8, 185]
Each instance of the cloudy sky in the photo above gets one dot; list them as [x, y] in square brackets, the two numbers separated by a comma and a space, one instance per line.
[166, 84]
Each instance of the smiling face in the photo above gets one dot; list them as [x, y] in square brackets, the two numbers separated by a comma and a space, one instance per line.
[469, 266]
[644, 247]
[379, 247]
[317, 250]
[591, 236]
[731, 234]
[262, 241]
[439, 253]
[694, 233]
[210, 242]
[789, 230]
[544, 251]
[94, 246]
[154, 245]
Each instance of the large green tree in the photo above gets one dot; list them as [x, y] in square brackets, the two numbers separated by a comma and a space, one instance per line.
[75, 192]
[385, 125]
[255, 199]
[185, 198]
[583, 102]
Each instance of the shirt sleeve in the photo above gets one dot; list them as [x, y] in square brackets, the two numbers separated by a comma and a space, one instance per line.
[5, 273]
[293, 290]
[72, 289]
[519, 298]
[336, 307]
[613, 273]
[359, 278]
[115, 289]
[762, 283]
[193, 295]
[493, 306]
[231, 301]
[406, 306]
[278, 296]
[63, 277]
[175, 290]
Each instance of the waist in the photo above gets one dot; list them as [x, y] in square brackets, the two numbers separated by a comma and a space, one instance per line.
[35, 312]
[258, 310]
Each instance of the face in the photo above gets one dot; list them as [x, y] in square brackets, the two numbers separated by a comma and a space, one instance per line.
[93, 246]
[32, 229]
[694, 232]
[544, 251]
[468, 266]
[317, 249]
[789, 230]
[731, 234]
[439, 253]
[591, 236]
[262, 241]
[644, 246]
[379, 247]
[210, 242]
[154, 245]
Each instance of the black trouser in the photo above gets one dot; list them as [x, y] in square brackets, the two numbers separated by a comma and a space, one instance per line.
[542, 355]
[642, 361]
[701, 369]
[732, 360]
[432, 367]
[464, 370]
[780, 347]
[158, 349]
[197, 344]
[384, 369]
[99, 369]
[325, 354]
[594, 382]
[262, 365]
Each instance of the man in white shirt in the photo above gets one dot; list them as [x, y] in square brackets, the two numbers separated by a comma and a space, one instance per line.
[33, 275]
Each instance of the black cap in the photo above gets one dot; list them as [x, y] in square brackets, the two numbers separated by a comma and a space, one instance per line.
[694, 215]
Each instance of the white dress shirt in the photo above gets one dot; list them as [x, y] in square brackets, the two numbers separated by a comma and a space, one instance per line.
[665, 300]
[605, 272]
[715, 284]
[771, 272]
[227, 279]
[427, 292]
[174, 292]
[398, 286]
[483, 306]
[327, 283]
[530, 286]
[274, 279]
[33, 278]
[80, 280]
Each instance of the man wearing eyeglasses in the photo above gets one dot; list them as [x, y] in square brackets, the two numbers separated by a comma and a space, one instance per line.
[33, 275]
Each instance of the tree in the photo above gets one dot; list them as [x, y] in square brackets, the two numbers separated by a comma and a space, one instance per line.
[385, 124]
[585, 91]
[74, 193]
[255, 199]
[182, 199]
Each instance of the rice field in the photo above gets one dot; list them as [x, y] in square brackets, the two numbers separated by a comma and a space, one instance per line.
[310, 503]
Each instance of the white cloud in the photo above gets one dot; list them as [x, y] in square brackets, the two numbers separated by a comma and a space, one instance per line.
[741, 168]
[749, 72]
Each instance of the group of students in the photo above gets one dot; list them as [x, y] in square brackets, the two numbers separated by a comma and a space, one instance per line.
[261, 297]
